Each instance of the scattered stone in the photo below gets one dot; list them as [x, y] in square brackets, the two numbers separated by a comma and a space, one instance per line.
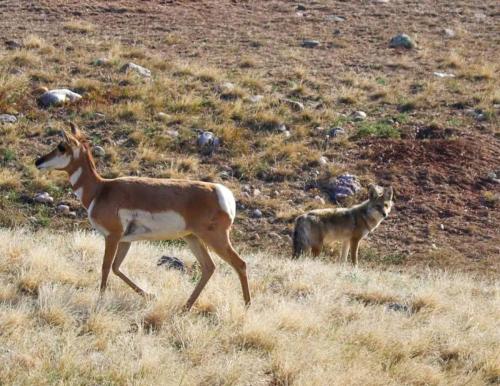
[172, 262]
[274, 235]
[336, 18]
[137, 69]
[207, 142]
[72, 214]
[255, 98]
[172, 133]
[444, 75]
[358, 116]
[64, 209]
[323, 161]
[301, 7]
[441, 226]
[335, 132]
[381, 1]
[44, 198]
[246, 188]
[320, 199]
[226, 87]
[102, 62]
[275, 193]
[7, 118]
[478, 114]
[224, 175]
[256, 192]
[161, 116]
[281, 128]
[343, 186]
[99, 151]
[297, 106]
[100, 115]
[308, 43]
[287, 134]
[13, 45]
[398, 307]
[449, 33]
[57, 97]
[256, 213]
[402, 41]
[493, 177]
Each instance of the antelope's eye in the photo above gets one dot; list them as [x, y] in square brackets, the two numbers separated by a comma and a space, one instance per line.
[61, 148]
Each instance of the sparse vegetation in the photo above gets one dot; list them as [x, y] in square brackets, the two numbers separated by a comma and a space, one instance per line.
[354, 325]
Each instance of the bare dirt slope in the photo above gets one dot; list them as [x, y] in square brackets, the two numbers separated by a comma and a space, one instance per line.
[435, 139]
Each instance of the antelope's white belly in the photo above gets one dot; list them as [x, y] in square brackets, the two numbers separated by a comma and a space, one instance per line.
[143, 225]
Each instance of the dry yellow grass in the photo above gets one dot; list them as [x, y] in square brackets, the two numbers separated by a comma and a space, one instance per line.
[311, 322]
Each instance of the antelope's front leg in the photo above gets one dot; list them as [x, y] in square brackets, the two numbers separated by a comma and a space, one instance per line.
[109, 254]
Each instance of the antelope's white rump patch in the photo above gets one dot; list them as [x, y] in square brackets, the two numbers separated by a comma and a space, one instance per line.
[226, 200]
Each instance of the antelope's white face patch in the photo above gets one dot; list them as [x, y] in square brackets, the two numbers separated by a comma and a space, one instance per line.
[143, 225]
[57, 162]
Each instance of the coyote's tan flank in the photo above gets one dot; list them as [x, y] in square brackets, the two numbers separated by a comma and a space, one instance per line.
[131, 208]
[349, 225]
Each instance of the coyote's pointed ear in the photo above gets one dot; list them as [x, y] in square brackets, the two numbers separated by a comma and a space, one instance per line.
[373, 192]
[388, 193]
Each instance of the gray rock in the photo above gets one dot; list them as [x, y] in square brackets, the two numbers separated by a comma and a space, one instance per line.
[64, 209]
[281, 128]
[402, 41]
[309, 43]
[336, 131]
[301, 7]
[297, 106]
[99, 151]
[358, 116]
[256, 193]
[7, 118]
[43, 198]
[58, 97]
[207, 142]
[137, 69]
[343, 186]
[398, 307]
[102, 62]
[172, 133]
[443, 74]
[13, 45]
[256, 213]
[172, 262]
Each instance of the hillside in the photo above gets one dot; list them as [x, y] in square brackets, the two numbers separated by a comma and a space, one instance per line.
[245, 71]
[329, 324]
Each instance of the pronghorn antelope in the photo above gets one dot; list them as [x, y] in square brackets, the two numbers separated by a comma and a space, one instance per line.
[129, 209]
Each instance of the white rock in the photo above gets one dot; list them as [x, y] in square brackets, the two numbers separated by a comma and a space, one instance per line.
[255, 98]
[443, 74]
[44, 198]
[161, 116]
[256, 192]
[58, 97]
[7, 118]
[137, 69]
[448, 32]
[320, 199]
[323, 161]
[358, 115]
[297, 106]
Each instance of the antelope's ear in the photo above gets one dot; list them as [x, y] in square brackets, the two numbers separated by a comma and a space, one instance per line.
[388, 193]
[373, 192]
[69, 138]
[75, 131]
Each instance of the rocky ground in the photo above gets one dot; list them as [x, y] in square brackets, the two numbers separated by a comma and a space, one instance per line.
[279, 86]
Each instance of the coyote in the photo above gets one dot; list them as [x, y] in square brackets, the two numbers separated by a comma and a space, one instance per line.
[348, 225]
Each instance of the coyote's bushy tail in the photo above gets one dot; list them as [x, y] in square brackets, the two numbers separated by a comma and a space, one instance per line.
[300, 238]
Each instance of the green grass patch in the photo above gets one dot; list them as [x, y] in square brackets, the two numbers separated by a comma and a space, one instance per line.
[377, 129]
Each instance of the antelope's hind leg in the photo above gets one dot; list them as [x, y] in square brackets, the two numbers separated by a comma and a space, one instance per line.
[207, 266]
[221, 244]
